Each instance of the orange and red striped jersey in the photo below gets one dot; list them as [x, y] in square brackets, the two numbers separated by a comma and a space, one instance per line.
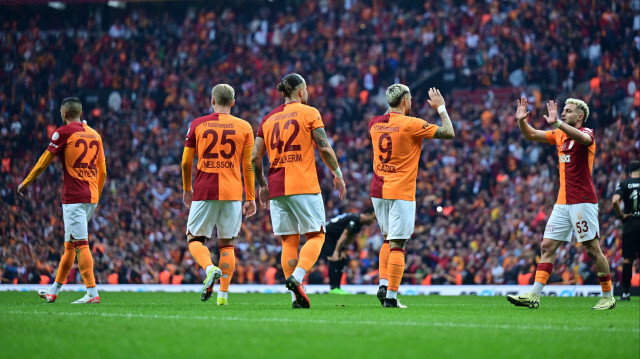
[397, 141]
[220, 140]
[287, 135]
[80, 150]
[576, 164]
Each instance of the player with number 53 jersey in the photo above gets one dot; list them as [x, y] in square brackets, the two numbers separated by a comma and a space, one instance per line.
[223, 143]
[577, 206]
[397, 138]
[80, 151]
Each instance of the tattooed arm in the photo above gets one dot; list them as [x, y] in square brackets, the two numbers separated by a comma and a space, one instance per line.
[329, 158]
[437, 102]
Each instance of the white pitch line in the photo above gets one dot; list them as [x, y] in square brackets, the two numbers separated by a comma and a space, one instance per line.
[333, 322]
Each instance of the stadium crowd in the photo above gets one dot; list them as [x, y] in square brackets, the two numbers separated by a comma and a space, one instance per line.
[483, 198]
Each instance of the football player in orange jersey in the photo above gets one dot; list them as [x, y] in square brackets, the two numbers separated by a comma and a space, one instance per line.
[577, 204]
[397, 140]
[292, 194]
[223, 143]
[80, 150]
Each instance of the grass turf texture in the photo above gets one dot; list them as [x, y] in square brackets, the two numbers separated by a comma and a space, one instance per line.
[178, 325]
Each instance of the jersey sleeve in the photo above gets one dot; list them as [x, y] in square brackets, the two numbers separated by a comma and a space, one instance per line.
[58, 140]
[619, 190]
[422, 129]
[551, 136]
[191, 136]
[315, 120]
[589, 132]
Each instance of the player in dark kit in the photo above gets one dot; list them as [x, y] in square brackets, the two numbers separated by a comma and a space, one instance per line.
[341, 231]
[628, 191]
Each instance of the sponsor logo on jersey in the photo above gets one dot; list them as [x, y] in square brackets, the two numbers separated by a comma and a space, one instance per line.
[565, 158]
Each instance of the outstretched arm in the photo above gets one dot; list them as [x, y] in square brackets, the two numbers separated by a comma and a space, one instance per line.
[329, 159]
[44, 162]
[529, 132]
[436, 101]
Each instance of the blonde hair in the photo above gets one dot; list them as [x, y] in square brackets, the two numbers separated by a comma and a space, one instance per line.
[223, 94]
[581, 105]
[395, 93]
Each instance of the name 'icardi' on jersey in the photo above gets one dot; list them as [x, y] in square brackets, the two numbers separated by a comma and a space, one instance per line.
[80, 150]
[397, 141]
[576, 164]
[219, 139]
[287, 135]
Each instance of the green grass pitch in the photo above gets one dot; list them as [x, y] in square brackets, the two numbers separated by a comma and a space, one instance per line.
[178, 325]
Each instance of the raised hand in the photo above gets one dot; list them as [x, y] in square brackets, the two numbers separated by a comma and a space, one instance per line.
[552, 108]
[435, 98]
[521, 111]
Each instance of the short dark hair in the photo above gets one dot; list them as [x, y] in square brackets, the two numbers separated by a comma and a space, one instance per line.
[289, 83]
[72, 106]
[634, 166]
[368, 210]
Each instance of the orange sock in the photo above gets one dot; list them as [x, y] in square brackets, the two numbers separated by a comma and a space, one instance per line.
[66, 262]
[396, 268]
[85, 263]
[310, 251]
[605, 282]
[543, 272]
[200, 253]
[227, 265]
[289, 258]
[383, 260]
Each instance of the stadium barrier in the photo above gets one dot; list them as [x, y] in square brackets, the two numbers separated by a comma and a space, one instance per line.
[482, 290]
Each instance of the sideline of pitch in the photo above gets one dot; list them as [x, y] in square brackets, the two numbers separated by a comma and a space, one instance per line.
[482, 290]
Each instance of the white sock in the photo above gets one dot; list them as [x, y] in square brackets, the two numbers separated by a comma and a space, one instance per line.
[222, 294]
[55, 288]
[299, 274]
[293, 297]
[537, 288]
[209, 268]
[392, 294]
[92, 292]
[607, 294]
[383, 282]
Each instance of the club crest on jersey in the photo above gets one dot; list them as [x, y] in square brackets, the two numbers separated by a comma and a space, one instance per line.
[579, 216]
[564, 146]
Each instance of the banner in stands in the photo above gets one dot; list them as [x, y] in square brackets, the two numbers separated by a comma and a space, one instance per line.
[482, 290]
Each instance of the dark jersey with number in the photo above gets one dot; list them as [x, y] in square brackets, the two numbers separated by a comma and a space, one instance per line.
[629, 190]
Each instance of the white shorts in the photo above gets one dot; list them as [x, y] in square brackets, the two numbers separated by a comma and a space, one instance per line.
[565, 218]
[76, 216]
[396, 217]
[298, 213]
[204, 215]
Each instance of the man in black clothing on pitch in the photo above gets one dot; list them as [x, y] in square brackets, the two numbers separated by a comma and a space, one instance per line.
[340, 233]
[628, 191]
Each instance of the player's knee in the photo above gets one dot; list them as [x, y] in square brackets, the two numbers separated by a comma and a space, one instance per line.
[196, 239]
